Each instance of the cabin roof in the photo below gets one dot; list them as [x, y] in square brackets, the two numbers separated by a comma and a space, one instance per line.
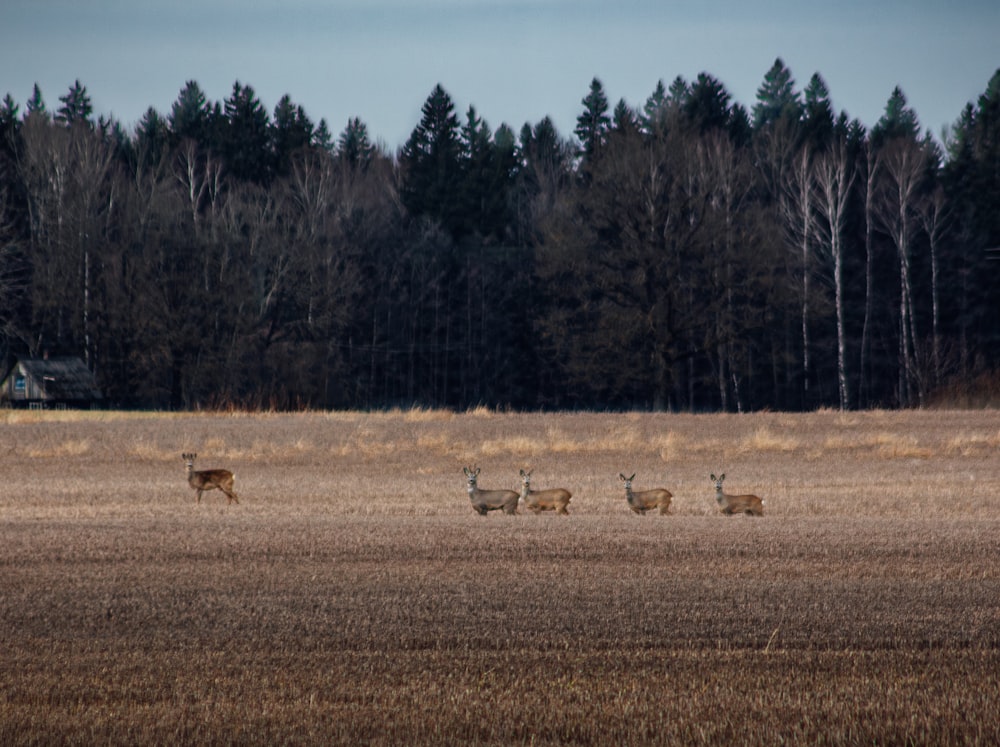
[60, 377]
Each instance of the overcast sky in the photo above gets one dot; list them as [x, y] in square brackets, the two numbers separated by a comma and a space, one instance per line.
[516, 61]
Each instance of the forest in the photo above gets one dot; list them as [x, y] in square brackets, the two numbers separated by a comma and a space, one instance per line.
[684, 254]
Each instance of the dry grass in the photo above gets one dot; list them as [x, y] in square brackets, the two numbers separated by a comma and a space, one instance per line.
[353, 597]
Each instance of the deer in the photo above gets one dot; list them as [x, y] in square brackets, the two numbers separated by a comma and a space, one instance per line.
[645, 500]
[751, 505]
[553, 499]
[484, 501]
[210, 479]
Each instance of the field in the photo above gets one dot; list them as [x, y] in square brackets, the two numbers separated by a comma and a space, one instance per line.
[354, 597]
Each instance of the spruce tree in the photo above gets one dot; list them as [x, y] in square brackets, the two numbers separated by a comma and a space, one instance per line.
[818, 117]
[152, 137]
[353, 146]
[593, 124]
[624, 121]
[654, 112]
[76, 108]
[432, 172]
[291, 131]
[246, 145]
[707, 105]
[898, 120]
[9, 122]
[36, 104]
[190, 115]
[776, 97]
[322, 138]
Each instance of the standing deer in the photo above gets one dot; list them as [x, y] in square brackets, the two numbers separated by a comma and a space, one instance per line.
[553, 499]
[737, 504]
[489, 500]
[646, 500]
[210, 479]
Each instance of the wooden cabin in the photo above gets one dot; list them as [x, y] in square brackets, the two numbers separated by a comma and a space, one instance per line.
[50, 382]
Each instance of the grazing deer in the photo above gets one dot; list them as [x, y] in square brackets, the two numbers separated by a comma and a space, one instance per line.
[737, 504]
[489, 500]
[553, 499]
[646, 500]
[210, 479]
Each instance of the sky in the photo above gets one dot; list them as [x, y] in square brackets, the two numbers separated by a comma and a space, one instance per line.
[515, 61]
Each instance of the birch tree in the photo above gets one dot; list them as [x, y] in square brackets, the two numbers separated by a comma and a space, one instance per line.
[934, 217]
[872, 166]
[904, 163]
[834, 177]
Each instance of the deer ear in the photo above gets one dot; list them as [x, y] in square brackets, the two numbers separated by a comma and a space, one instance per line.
[622, 476]
[632, 477]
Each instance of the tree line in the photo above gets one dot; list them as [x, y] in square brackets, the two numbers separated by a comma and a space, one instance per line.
[685, 254]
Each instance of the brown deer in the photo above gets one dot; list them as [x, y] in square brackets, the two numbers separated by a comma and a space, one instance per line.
[553, 499]
[750, 505]
[646, 500]
[484, 501]
[210, 479]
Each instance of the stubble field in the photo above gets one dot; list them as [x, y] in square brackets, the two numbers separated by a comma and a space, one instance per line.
[354, 597]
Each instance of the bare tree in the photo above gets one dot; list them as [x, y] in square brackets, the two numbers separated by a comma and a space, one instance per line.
[726, 176]
[199, 176]
[934, 218]
[43, 165]
[797, 216]
[872, 168]
[834, 177]
[95, 194]
[72, 198]
[904, 161]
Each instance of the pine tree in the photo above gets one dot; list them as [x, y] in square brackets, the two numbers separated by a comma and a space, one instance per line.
[624, 121]
[9, 124]
[654, 112]
[152, 137]
[246, 146]
[432, 172]
[76, 108]
[899, 120]
[190, 115]
[476, 160]
[545, 154]
[291, 131]
[593, 124]
[322, 138]
[776, 97]
[487, 167]
[36, 104]
[707, 104]
[818, 118]
[678, 92]
[353, 146]
[739, 127]
[972, 183]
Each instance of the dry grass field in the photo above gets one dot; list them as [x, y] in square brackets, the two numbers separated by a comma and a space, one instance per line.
[354, 597]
